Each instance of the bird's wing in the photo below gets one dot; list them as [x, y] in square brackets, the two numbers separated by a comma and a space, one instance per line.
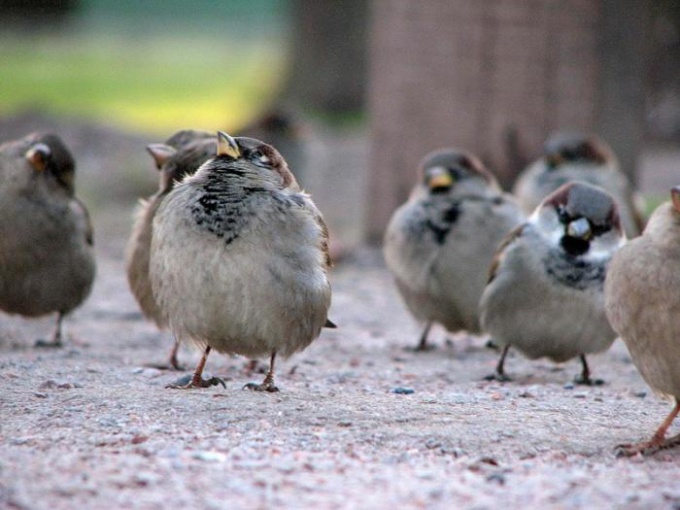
[305, 201]
[81, 211]
[512, 236]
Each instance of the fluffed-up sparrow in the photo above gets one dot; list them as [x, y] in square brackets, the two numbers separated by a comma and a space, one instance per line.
[47, 260]
[545, 294]
[239, 258]
[440, 243]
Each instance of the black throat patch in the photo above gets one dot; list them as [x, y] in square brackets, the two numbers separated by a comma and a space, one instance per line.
[440, 222]
[222, 209]
[574, 272]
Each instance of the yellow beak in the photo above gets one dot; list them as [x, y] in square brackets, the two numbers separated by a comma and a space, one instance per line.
[227, 146]
[442, 180]
[580, 229]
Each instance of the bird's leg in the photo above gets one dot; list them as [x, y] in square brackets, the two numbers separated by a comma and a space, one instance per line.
[499, 375]
[173, 361]
[268, 383]
[56, 336]
[254, 366]
[657, 442]
[422, 343]
[584, 378]
[197, 381]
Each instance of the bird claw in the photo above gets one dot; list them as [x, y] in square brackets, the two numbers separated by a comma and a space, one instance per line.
[266, 386]
[187, 383]
[166, 366]
[421, 348]
[631, 450]
[53, 344]
[647, 447]
[497, 376]
[587, 381]
[213, 381]
[490, 344]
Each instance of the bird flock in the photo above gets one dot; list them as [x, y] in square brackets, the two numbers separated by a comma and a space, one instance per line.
[559, 268]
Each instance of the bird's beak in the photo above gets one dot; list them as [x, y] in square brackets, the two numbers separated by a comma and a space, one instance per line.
[442, 179]
[160, 153]
[580, 229]
[227, 146]
[38, 155]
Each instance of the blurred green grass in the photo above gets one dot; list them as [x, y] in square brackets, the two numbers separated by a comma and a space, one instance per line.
[154, 83]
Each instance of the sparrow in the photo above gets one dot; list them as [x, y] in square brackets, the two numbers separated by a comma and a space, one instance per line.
[642, 299]
[178, 157]
[47, 259]
[569, 157]
[239, 258]
[441, 242]
[545, 294]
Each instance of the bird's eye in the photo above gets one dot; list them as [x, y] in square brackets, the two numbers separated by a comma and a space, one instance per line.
[260, 158]
[563, 214]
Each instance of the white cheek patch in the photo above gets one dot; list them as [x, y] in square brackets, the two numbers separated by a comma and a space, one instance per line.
[265, 160]
[548, 225]
[603, 247]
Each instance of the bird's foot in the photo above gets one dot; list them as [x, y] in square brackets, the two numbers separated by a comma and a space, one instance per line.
[174, 364]
[587, 381]
[490, 344]
[498, 376]
[49, 343]
[647, 447]
[422, 347]
[265, 386]
[166, 366]
[644, 448]
[188, 382]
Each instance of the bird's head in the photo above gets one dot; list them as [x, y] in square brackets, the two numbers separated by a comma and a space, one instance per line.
[176, 162]
[449, 171]
[581, 219]
[575, 148]
[256, 162]
[185, 137]
[50, 159]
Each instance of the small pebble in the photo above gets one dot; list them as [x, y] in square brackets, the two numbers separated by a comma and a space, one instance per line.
[498, 478]
[210, 456]
[400, 390]
[431, 444]
[569, 386]
[451, 450]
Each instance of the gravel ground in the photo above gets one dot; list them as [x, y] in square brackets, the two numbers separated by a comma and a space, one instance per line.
[360, 422]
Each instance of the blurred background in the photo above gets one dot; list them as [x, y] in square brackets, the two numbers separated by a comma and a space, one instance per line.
[353, 92]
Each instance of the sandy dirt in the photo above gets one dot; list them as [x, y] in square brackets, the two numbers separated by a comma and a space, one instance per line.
[360, 421]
